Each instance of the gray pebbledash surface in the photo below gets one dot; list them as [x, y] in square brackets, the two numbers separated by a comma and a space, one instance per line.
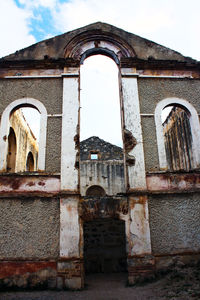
[174, 223]
[30, 228]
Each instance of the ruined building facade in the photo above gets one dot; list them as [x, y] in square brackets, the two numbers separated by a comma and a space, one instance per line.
[48, 216]
[22, 145]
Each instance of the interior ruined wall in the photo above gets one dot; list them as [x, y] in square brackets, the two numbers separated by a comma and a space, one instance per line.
[49, 92]
[29, 228]
[25, 141]
[107, 174]
[174, 223]
[152, 91]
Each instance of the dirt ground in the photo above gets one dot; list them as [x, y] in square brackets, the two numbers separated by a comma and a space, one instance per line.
[182, 283]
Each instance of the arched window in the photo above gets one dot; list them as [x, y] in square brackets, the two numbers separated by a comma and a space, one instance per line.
[30, 162]
[14, 113]
[95, 191]
[100, 102]
[178, 135]
[12, 148]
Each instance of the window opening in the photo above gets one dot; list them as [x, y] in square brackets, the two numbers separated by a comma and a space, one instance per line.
[177, 137]
[94, 155]
[25, 123]
[100, 125]
[100, 104]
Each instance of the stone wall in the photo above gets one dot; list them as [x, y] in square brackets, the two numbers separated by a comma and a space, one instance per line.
[105, 170]
[105, 150]
[107, 174]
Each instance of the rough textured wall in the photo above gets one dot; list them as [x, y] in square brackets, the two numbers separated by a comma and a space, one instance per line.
[53, 152]
[29, 228]
[150, 144]
[152, 91]
[49, 92]
[174, 223]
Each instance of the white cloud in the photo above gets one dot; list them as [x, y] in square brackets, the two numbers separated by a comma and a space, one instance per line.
[175, 24]
[15, 31]
[166, 22]
[36, 3]
[100, 107]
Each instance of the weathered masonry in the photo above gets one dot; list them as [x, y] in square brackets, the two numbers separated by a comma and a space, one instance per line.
[47, 217]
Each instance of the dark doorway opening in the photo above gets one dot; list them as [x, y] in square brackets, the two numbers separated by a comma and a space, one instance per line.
[104, 246]
[12, 149]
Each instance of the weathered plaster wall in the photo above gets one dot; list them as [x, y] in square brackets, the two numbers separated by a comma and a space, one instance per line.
[150, 144]
[29, 228]
[174, 223]
[153, 90]
[53, 146]
[107, 174]
[49, 92]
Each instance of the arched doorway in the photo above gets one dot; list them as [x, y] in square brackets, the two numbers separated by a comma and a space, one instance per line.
[30, 162]
[12, 148]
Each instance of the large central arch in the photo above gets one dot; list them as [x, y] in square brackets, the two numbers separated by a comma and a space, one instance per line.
[98, 42]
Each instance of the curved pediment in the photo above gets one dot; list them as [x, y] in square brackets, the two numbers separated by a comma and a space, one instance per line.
[97, 38]
[93, 42]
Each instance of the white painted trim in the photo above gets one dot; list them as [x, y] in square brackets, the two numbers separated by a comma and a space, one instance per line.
[4, 131]
[69, 228]
[70, 122]
[132, 122]
[195, 128]
[147, 115]
[54, 116]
